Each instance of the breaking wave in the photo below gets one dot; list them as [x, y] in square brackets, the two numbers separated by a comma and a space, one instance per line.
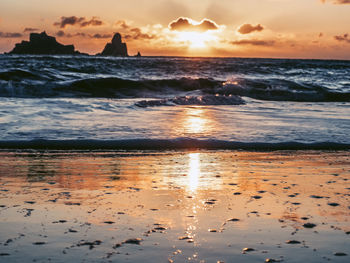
[193, 100]
[184, 91]
[282, 90]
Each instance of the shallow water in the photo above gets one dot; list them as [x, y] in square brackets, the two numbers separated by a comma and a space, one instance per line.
[198, 206]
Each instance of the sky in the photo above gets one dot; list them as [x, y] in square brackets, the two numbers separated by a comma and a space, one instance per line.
[225, 28]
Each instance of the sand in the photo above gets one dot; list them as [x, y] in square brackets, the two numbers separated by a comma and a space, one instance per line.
[198, 206]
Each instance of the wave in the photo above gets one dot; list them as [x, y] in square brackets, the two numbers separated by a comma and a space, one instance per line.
[170, 144]
[193, 100]
[107, 88]
[282, 90]
[19, 83]
[18, 75]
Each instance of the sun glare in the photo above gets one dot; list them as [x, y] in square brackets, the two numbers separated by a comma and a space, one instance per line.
[193, 171]
[196, 40]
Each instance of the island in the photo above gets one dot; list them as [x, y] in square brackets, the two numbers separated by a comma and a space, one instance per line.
[116, 48]
[42, 44]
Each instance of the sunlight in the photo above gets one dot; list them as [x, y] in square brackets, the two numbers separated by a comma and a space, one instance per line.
[193, 171]
[195, 122]
[196, 40]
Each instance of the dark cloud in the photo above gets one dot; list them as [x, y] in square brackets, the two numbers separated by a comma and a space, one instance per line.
[10, 35]
[253, 42]
[98, 36]
[122, 24]
[343, 38]
[337, 2]
[184, 24]
[133, 33]
[248, 28]
[30, 29]
[61, 33]
[92, 22]
[78, 21]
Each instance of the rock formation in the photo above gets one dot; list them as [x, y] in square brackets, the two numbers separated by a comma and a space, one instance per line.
[42, 44]
[138, 54]
[116, 48]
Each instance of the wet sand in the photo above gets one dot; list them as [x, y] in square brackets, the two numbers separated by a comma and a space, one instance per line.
[200, 206]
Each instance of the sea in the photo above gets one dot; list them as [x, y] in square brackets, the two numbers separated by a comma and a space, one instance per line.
[91, 103]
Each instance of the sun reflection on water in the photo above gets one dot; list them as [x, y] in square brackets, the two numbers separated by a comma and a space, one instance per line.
[195, 121]
[193, 172]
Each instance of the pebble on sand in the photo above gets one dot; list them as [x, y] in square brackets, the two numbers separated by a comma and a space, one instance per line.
[233, 220]
[333, 204]
[39, 243]
[309, 225]
[293, 242]
[134, 241]
[247, 249]
[268, 260]
[109, 222]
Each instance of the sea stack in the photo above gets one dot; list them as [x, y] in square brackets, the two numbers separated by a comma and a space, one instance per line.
[42, 44]
[116, 48]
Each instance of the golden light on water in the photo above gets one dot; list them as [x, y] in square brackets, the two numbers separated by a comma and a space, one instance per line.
[195, 121]
[193, 171]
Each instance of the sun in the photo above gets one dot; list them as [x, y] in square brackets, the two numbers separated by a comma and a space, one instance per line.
[196, 40]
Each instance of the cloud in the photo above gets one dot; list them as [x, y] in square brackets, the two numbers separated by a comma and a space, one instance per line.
[187, 24]
[78, 21]
[337, 2]
[343, 38]
[30, 29]
[248, 28]
[133, 33]
[61, 33]
[10, 35]
[101, 36]
[253, 42]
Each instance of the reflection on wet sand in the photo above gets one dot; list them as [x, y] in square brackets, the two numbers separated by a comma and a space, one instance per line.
[185, 206]
[193, 172]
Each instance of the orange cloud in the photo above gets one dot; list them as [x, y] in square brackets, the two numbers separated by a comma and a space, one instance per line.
[133, 33]
[343, 38]
[338, 2]
[248, 28]
[78, 21]
[10, 35]
[186, 24]
[29, 29]
[254, 42]
[61, 33]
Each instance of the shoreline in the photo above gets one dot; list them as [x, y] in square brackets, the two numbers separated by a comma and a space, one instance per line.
[165, 144]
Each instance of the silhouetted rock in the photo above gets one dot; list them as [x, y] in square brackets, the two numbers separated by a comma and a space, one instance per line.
[116, 48]
[138, 54]
[42, 44]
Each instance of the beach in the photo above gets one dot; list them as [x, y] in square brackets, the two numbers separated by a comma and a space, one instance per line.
[174, 131]
[120, 159]
[174, 206]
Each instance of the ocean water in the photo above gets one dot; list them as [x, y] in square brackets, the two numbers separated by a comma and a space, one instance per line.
[169, 102]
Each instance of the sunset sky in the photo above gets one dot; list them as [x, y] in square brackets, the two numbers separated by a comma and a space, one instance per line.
[247, 28]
